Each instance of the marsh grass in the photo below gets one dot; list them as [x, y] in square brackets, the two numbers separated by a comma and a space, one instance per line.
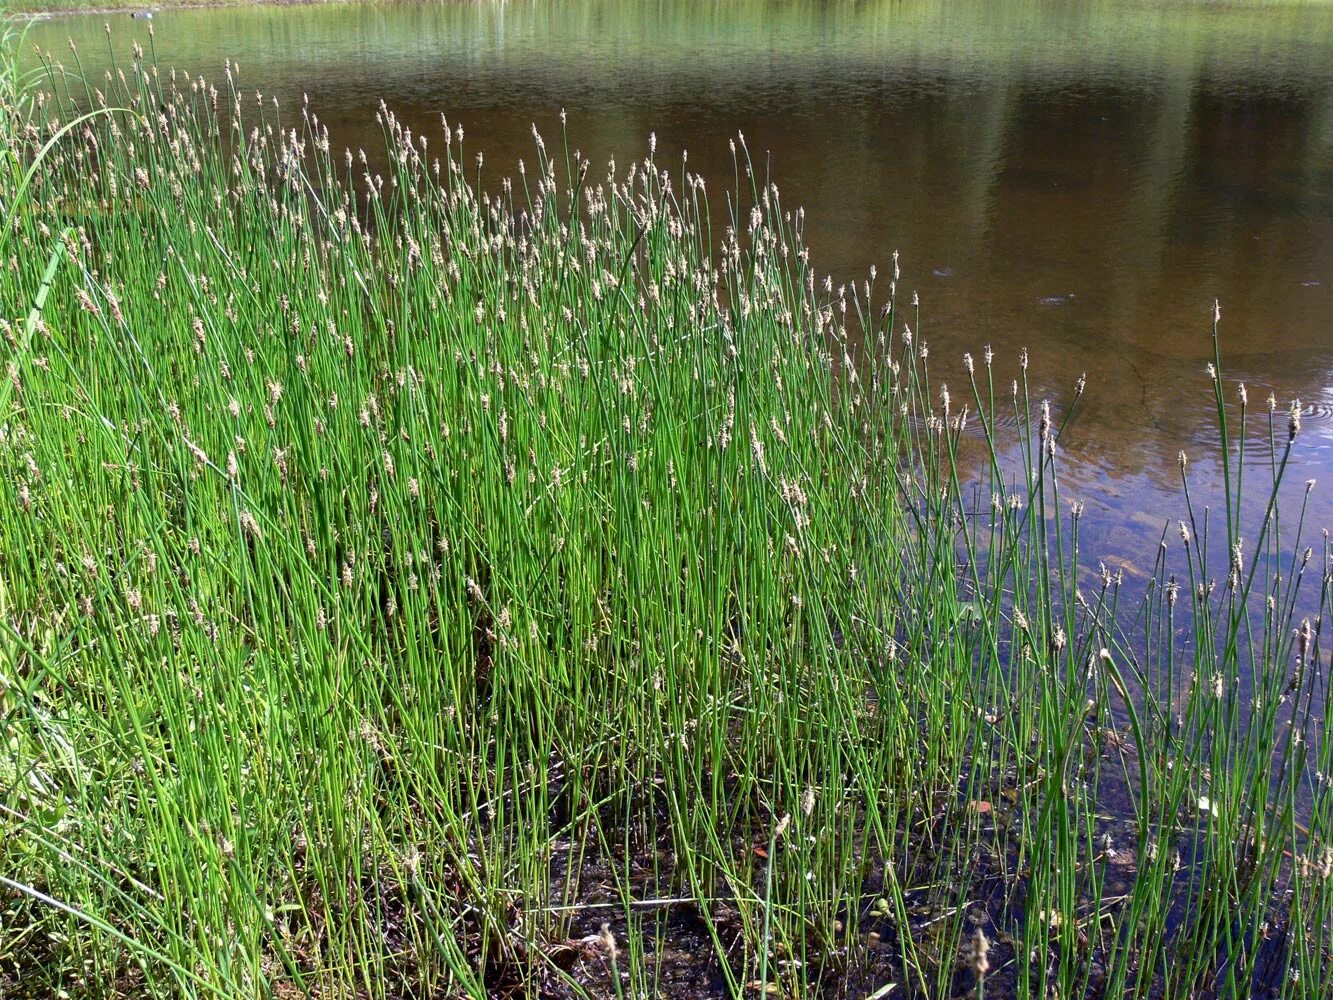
[421, 583]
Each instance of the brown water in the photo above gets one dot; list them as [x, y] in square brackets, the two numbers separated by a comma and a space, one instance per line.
[1080, 178]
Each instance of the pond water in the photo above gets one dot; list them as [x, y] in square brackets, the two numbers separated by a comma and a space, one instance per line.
[1078, 178]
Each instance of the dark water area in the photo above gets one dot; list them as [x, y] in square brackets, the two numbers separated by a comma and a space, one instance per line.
[1082, 179]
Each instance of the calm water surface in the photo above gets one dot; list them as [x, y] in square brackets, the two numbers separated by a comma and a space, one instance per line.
[1080, 178]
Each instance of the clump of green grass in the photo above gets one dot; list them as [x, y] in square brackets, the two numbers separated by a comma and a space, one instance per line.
[421, 584]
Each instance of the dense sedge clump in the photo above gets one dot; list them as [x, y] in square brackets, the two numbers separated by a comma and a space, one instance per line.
[417, 583]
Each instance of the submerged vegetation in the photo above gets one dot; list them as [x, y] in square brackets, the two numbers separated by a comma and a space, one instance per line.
[421, 584]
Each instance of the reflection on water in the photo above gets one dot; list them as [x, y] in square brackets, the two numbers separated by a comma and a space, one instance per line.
[1081, 178]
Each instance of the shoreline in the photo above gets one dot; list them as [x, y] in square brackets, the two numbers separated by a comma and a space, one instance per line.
[46, 11]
